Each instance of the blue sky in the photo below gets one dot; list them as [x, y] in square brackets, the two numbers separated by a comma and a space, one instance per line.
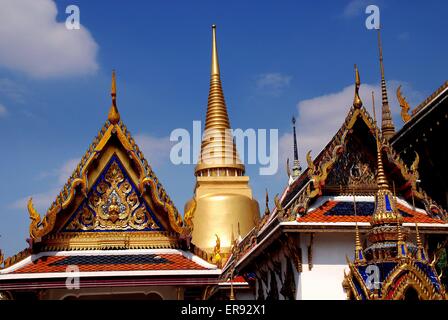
[278, 59]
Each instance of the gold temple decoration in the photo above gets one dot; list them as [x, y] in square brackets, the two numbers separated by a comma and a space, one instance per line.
[388, 244]
[218, 150]
[387, 124]
[359, 255]
[232, 292]
[217, 259]
[318, 170]
[116, 206]
[357, 102]
[114, 115]
[222, 193]
[120, 212]
[385, 211]
[2, 258]
[404, 105]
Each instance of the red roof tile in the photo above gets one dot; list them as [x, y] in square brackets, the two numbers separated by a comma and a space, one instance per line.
[318, 215]
[52, 264]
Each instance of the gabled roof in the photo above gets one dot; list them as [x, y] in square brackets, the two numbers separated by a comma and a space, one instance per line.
[313, 182]
[297, 206]
[113, 189]
[419, 112]
[97, 268]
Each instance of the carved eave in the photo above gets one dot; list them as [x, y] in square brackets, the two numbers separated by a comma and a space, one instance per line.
[406, 273]
[311, 184]
[113, 139]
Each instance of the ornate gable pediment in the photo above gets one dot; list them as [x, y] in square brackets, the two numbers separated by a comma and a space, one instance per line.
[348, 162]
[113, 204]
[113, 199]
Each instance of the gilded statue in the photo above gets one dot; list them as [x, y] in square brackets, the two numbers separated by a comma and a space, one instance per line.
[217, 259]
[405, 116]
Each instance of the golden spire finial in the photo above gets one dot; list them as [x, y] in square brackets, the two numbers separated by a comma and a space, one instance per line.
[114, 115]
[381, 177]
[359, 256]
[215, 61]
[232, 293]
[357, 102]
[218, 149]
[417, 234]
[387, 125]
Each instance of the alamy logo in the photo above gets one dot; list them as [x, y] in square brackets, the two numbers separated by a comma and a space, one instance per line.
[73, 21]
[373, 20]
[72, 281]
[253, 147]
[373, 277]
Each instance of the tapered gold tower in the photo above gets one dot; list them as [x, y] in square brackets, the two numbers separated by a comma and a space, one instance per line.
[223, 197]
[387, 124]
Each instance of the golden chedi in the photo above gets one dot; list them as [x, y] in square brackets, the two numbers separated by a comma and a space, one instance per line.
[223, 198]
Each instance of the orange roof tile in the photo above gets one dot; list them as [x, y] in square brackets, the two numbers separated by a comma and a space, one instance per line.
[318, 215]
[52, 264]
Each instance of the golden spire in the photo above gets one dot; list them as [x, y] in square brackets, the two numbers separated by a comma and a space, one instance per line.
[381, 177]
[218, 150]
[359, 256]
[114, 115]
[417, 234]
[387, 125]
[357, 102]
[232, 293]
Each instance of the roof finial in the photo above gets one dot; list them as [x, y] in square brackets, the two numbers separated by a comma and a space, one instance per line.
[357, 102]
[114, 115]
[296, 168]
[218, 148]
[266, 210]
[359, 255]
[387, 125]
[215, 62]
[381, 177]
[232, 293]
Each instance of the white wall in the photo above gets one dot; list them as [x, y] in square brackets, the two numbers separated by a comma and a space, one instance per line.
[324, 281]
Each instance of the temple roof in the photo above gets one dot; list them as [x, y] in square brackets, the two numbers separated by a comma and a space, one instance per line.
[340, 209]
[113, 189]
[109, 268]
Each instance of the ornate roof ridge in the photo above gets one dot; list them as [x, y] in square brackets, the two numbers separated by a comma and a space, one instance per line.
[40, 228]
[430, 98]
[319, 167]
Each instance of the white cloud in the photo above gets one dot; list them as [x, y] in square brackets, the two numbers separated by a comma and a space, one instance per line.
[33, 42]
[12, 90]
[41, 201]
[3, 110]
[273, 83]
[155, 149]
[320, 118]
[66, 170]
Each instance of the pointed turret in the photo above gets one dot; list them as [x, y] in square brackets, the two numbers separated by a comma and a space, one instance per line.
[384, 209]
[218, 151]
[223, 195]
[357, 102]
[387, 125]
[359, 252]
[296, 168]
[114, 115]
